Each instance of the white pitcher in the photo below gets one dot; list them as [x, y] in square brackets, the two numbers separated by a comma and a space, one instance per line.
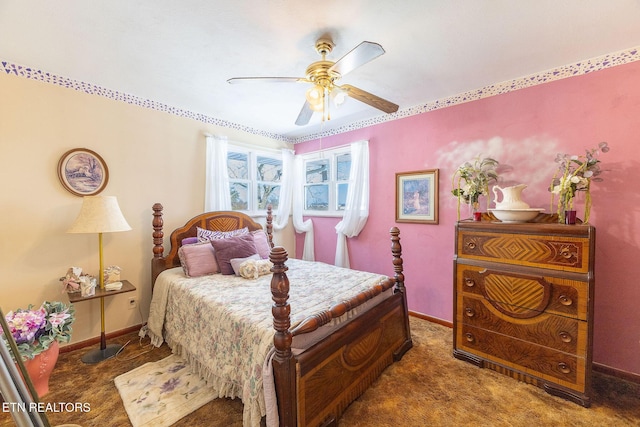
[511, 197]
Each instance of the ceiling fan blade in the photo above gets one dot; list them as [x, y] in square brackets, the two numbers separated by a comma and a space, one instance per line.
[370, 99]
[358, 56]
[235, 80]
[305, 114]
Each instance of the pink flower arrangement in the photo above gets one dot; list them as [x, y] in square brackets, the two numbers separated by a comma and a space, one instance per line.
[35, 329]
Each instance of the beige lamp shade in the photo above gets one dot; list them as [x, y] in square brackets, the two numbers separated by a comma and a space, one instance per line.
[99, 214]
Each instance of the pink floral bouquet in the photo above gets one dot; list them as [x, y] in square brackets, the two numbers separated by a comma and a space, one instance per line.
[34, 330]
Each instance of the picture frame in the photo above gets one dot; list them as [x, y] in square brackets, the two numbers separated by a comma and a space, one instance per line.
[417, 196]
[83, 172]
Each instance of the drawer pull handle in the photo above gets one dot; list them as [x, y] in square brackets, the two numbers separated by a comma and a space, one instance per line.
[565, 300]
[469, 282]
[564, 368]
[471, 245]
[565, 253]
[565, 336]
[469, 312]
[469, 336]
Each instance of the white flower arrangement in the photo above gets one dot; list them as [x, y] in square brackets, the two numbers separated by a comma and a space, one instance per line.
[476, 176]
[575, 173]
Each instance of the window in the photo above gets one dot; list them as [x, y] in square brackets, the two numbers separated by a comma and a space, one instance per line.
[253, 191]
[268, 174]
[326, 181]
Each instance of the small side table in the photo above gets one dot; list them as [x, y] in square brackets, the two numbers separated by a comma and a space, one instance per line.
[105, 351]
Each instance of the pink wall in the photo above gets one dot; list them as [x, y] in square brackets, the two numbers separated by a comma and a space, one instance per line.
[523, 130]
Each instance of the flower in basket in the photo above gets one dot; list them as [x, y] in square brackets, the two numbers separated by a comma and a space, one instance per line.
[471, 180]
[34, 330]
[575, 173]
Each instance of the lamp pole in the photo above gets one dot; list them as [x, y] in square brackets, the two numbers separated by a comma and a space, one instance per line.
[103, 337]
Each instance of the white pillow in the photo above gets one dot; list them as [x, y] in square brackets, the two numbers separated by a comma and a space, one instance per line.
[253, 268]
[236, 262]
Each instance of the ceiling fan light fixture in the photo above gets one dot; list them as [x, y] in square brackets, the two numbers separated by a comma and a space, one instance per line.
[318, 106]
[314, 95]
[338, 96]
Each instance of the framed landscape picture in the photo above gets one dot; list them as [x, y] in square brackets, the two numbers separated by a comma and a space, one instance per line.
[417, 196]
[83, 172]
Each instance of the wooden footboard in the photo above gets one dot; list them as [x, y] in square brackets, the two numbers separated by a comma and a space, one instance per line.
[316, 386]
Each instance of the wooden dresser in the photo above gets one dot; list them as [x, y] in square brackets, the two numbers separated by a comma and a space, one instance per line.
[523, 298]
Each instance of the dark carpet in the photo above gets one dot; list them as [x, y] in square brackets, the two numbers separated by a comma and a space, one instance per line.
[428, 387]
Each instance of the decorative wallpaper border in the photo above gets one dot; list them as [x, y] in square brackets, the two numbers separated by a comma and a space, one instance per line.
[92, 89]
[579, 68]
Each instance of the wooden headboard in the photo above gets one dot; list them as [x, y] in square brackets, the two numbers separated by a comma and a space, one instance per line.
[219, 220]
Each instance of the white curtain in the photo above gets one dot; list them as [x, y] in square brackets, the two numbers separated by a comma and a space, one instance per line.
[286, 190]
[301, 226]
[357, 204]
[217, 194]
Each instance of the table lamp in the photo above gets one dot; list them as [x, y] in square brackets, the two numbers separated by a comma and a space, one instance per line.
[100, 214]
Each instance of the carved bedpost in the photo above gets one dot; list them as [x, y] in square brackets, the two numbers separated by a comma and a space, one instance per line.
[270, 224]
[283, 362]
[396, 251]
[158, 249]
[158, 234]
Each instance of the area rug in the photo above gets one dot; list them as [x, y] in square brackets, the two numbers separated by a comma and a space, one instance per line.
[160, 393]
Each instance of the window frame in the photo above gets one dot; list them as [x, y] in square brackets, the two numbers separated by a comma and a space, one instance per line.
[332, 155]
[252, 176]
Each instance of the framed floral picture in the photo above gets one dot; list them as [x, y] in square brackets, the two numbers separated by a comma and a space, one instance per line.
[83, 172]
[417, 196]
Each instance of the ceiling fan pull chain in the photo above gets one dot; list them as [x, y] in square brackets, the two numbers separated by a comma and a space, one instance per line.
[327, 103]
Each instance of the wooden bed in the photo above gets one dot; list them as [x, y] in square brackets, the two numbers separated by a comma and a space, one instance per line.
[314, 386]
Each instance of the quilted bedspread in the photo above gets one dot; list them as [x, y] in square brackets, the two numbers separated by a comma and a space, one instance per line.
[223, 324]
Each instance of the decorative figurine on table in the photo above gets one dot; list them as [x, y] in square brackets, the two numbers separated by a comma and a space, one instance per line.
[112, 274]
[74, 281]
[71, 281]
[112, 278]
[87, 285]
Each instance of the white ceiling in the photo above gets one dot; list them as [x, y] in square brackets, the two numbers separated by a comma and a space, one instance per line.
[181, 53]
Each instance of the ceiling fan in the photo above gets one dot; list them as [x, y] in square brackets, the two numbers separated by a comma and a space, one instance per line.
[323, 75]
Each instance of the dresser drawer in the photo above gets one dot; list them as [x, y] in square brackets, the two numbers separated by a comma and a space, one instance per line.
[557, 332]
[524, 295]
[563, 253]
[552, 365]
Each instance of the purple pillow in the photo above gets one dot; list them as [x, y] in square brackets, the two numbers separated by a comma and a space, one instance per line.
[233, 247]
[198, 260]
[262, 243]
[189, 241]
